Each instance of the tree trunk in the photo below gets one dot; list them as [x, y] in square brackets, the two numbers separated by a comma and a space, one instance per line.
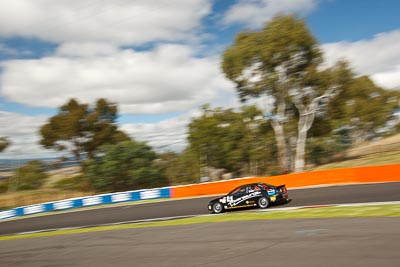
[282, 147]
[300, 150]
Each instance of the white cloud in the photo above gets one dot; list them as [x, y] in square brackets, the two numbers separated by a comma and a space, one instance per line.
[88, 49]
[378, 57]
[255, 13]
[388, 79]
[166, 79]
[22, 130]
[117, 21]
[164, 135]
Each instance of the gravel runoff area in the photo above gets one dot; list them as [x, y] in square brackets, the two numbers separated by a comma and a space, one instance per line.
[292, 242]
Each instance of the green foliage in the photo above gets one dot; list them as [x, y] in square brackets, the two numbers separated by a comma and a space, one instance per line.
[323, 150]
[4, 143]
[127, 165]
[75, 183]
[229, 140]
[28, 177]
[362, 107]
[81, 129]
[280, 62]
[182, 168]
[284, 47]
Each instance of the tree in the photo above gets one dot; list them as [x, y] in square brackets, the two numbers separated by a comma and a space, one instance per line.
[127, 165]
[362, 108]
[4, 143]
[280, 62]
[28, 177]
[180, 168]
[229, 140]
[81, 129]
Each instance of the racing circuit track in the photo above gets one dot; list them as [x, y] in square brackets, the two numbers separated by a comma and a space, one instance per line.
[291, 242]
[196, 206]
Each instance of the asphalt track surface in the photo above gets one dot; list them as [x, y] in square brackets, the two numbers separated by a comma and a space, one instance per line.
[196, 206]
[294, 242]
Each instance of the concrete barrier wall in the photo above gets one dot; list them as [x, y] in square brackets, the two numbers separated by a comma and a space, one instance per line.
[373, 174]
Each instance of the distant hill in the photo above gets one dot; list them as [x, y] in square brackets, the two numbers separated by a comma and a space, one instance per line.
[10, 164]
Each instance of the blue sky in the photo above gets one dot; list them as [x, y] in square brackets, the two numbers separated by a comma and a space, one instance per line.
[159, 59]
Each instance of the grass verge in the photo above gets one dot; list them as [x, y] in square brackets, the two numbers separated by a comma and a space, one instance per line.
[386, 210]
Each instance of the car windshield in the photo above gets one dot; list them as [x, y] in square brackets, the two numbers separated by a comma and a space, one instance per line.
[235, 191]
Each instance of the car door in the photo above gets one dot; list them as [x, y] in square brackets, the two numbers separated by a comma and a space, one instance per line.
[253, 193]
[237, 197]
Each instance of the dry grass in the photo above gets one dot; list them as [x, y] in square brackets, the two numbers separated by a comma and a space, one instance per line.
[47, 193]
[59, 174]
[382, 152]
[25, 198]
[371, 160]
[389, 144]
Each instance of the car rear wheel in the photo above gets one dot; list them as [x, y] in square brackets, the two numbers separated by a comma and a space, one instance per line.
[263, 202]
[217, 208]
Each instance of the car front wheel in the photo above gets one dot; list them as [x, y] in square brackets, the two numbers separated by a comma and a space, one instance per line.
[217, 208]
[263, 202]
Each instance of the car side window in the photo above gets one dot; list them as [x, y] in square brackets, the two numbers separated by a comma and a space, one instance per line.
[235, 191]
[240, 191]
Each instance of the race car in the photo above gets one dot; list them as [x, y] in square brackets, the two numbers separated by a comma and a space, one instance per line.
[250, 195]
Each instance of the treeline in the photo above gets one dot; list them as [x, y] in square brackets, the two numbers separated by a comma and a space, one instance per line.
[308, 114]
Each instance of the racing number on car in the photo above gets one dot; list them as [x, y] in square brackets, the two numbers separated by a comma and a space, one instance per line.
[227, 199]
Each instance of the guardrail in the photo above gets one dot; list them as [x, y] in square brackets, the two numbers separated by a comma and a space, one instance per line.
[104, 199]
[373, 174]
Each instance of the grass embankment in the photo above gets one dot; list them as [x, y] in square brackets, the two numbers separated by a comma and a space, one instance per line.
[30, 197]
[47, 193]
[374, 153]
[386, 210]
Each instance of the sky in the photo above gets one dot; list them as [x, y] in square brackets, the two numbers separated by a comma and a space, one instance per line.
[159, 60]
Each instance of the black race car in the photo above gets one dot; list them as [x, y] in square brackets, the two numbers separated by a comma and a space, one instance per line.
[250, 195]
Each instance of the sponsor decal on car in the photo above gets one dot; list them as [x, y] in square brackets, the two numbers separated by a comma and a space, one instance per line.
[271, 192]
[234, 202]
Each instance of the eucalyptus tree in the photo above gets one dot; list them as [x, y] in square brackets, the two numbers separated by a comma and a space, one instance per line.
[363, 108]
[81, 129]
[127, 165]
[229, 139]
[281, 64]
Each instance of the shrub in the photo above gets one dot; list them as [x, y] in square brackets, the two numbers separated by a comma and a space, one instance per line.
[28, 177]
[78, 183]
